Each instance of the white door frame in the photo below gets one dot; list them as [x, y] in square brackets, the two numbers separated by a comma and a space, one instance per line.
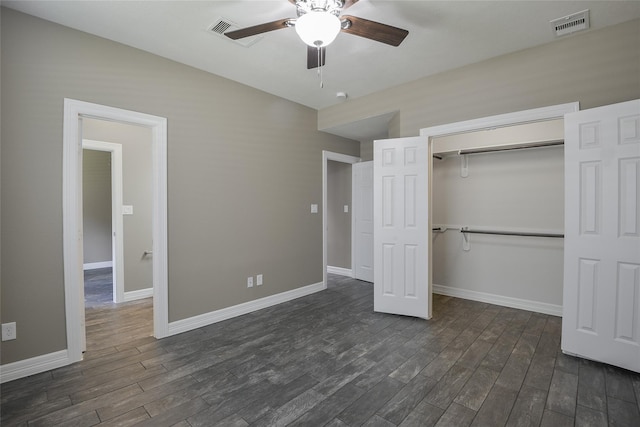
[486, 123]
[336, 157]
[117, 227]
[74, 110]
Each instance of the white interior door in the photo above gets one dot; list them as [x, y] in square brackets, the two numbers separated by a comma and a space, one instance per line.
[401, 227]
[601, 303]
[362, 178]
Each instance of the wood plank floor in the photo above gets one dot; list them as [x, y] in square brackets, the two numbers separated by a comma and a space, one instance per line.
[328, 359]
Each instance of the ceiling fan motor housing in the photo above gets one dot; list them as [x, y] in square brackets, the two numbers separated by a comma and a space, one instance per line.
[331, 6]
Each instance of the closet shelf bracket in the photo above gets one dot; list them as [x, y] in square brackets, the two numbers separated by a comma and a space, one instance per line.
[466, 245]
[464, 166]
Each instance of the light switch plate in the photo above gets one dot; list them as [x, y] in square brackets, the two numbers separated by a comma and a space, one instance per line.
[127, 209]
[314, 208]
[346, 208]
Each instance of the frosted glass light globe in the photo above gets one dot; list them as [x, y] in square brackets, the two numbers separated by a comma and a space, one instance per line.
[318, 29]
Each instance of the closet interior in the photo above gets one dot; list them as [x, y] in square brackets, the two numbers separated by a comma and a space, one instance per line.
[497, 211]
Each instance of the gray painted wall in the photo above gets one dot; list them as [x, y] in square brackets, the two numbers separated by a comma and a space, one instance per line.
[136, 189]
[243, 168]
[595, 68]
[338, 222]
[366, 150]
[96, 206]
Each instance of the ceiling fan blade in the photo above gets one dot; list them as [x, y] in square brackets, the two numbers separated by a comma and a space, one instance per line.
[374, 30]
[312, 57]
[259, 29]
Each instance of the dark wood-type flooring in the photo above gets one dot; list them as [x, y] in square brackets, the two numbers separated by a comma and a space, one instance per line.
[98, 288]
[328, 359]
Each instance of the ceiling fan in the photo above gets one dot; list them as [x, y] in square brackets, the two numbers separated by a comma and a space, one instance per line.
[318, 24]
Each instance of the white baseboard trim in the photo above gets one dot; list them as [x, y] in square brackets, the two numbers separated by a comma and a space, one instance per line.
[46, 362]
[205, 319]
[139, 294]
[341, 271]
[538, 307]
[95, 265]
[34, 365]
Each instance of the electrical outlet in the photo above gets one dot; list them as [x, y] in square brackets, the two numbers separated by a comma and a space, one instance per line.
[249, 282]
[259, 280]
[8, 331]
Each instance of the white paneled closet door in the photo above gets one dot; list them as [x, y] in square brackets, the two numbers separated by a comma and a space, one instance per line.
[401, 227]
[601, 301]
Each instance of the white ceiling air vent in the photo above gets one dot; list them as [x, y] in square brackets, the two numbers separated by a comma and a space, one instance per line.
[571, 23]
[223, 25]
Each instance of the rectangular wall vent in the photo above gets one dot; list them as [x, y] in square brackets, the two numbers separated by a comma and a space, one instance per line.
[571, 23]
[223, 25]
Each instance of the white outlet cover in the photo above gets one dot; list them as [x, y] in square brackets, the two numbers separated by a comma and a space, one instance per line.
[8, 331]
[249, 282]
[127, 209]
[259, 280]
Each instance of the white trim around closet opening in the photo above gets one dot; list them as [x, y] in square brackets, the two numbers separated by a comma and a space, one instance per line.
[502, 120]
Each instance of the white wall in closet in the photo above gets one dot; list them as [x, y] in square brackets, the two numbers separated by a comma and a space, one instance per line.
[519, 190]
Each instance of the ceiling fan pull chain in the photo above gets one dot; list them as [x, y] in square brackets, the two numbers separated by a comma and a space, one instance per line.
[320, 67]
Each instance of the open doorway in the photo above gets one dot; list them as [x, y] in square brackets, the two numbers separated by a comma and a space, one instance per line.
[348, 216]
[99, 233]
[339, 211]
[117, 235]
[75, 113]
[130, 147]
[330, 161]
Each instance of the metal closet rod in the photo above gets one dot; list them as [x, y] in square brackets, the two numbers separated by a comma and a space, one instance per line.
[513, 233]
[512, 147]
[524, 146]
[501, 233]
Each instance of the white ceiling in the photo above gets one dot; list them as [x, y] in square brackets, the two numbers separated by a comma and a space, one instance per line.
[442, 35]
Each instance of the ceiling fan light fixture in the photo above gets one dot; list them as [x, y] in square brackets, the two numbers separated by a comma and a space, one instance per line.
[318, 28]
